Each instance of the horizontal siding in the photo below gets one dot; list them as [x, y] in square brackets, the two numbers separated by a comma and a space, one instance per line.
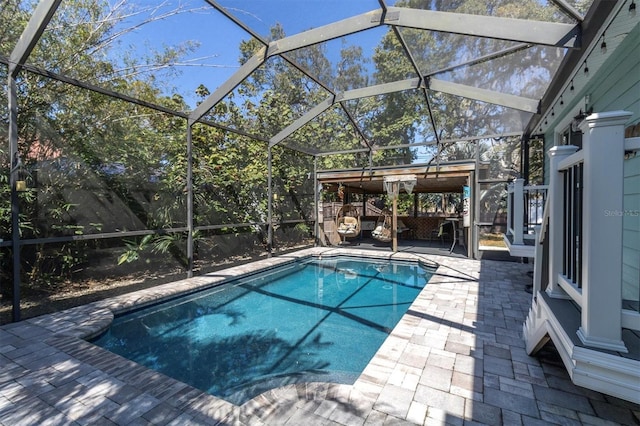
[616, 85]
[618, 82]
[629, 290]
[631, 230]
[632, 183]
[619, 91]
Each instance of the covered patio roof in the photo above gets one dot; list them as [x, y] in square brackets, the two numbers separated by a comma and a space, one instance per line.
[442, 178]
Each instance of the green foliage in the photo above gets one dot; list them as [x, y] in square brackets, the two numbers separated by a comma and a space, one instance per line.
[99, 164]
[132, 253]
[105, 165]
[303, 228]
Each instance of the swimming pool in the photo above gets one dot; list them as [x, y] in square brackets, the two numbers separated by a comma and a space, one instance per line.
[313, 320]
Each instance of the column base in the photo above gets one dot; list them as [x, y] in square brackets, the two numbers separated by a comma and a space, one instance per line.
[556, 292]
[601, 343]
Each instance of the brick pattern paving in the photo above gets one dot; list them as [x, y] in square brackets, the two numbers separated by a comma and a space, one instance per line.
[457, 358]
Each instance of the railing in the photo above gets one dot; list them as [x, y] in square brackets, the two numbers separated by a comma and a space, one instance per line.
[535, 197]
[525, 205]
[541, 264]
[572, 209]
[582, 258]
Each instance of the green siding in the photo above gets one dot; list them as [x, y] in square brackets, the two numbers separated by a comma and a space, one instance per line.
[615, 87]
[618, 82]
[619, 89]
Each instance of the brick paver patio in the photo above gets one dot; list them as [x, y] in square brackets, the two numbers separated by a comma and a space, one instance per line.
[457, 357]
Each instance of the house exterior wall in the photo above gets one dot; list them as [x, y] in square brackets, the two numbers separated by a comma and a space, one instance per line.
[617, 84]
[608, 181]
[616, 87]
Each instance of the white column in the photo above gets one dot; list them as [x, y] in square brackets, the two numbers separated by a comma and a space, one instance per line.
[518, 211]
[556, 231]
[603, 142]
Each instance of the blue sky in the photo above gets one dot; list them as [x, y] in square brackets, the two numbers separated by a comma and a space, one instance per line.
[216, 58]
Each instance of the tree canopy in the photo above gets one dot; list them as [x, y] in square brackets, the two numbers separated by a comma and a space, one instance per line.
[99, 164]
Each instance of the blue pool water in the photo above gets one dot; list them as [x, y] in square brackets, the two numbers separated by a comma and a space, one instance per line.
[316, 320]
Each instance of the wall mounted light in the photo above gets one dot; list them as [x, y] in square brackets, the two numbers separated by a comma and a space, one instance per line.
[586, 68]
[561, 100]
[632, 8]
[552, 113]
[577, 120]
[571, 88]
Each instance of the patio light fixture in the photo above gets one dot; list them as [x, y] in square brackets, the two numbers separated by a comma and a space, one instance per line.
[20, 174]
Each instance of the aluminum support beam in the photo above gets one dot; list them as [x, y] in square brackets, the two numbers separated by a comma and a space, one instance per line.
[481, 59]
[364, 92]
[425, 93]
[15, 205]
[510, 101]
[373, 91]
[522, 30]
[355, 124]
[310, 115]
[126, 98]
[535, 32]
[346, 151]
[379, 89]
[325, 33]
[258, 37]
[316, 204]
[269, 202]
[28, 39]
[236, 21]
[484, 95]
[569, 10]
[31, 34]
[190, 209]
[238, 77]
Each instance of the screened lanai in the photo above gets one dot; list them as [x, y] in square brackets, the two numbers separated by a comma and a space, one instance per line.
[158, 139]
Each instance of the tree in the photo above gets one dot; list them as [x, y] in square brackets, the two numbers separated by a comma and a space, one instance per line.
[97, 164]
